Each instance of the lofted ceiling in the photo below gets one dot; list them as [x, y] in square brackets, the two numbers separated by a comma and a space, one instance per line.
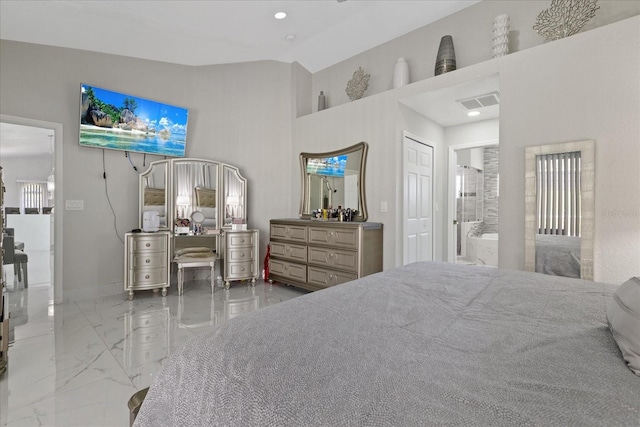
[206, 32]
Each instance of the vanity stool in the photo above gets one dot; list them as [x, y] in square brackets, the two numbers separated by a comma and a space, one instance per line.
[195, 257]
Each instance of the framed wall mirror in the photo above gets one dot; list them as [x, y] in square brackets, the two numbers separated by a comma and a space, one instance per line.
[560, 208]
[153, 188]
[333, 179]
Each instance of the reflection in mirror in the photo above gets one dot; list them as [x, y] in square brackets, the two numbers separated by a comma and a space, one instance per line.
[195, 190]
[154, 189]
[334, 180]
[559, 209]
[234, 195]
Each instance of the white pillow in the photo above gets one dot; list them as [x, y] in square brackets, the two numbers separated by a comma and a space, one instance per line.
[623, 316]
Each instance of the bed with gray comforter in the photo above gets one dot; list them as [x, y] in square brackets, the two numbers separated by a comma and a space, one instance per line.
[424, 344]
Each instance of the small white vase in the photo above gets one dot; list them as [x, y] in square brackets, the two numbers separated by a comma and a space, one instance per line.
[401, 73]
[500, 35]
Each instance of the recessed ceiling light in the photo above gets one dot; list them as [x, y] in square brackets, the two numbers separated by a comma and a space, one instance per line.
[290, 37]
[473, 113]
[280, 15]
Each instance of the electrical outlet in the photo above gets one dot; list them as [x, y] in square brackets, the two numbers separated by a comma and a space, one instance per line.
[74, 205]
[383, 206]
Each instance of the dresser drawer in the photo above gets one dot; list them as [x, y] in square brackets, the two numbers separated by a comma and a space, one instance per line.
[326, 278]
[294, 233]
[289, 251]
[239, 239]
[287, 270]
[335, 258]
[148, 277]
[148, 244]
[240, 254]
[151, 260]
[340, 237]
[240, 270]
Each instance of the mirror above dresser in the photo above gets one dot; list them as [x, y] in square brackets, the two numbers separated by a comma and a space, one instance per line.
[332, 180]
[319, 251]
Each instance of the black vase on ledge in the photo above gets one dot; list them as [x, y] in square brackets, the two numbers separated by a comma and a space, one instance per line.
[446, 58]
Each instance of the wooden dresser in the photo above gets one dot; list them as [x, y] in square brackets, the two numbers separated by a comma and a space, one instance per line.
[317, 254]
[146, 261]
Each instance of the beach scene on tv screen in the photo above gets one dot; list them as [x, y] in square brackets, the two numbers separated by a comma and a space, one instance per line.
[123, 122]
[328, 166]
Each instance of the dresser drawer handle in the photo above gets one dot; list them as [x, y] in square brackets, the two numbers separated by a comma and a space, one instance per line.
[241, 240]
[147, 276]
[148, 244]
[242, 255]
[242, 269]
[147, 260]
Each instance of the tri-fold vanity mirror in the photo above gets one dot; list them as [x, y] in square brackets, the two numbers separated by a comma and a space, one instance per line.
[334, 179]
[193, 196]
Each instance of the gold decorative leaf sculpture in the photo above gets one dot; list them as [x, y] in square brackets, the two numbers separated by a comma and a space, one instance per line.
[358, 84]
[564, 18]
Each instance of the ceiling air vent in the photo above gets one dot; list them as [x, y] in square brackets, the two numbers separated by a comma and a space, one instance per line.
[480, 101]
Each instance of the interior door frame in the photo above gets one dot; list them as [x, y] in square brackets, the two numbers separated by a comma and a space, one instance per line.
[423, 141]
[58, 196]
[451, 193]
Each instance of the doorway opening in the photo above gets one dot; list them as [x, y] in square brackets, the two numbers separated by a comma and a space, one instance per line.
[474, 197]
[31, 150]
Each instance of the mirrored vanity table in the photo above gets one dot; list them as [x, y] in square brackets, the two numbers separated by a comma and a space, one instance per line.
[331, 242]
[195, 202]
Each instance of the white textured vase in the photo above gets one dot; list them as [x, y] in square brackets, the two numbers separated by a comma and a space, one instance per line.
[500, 35]
[401, 73]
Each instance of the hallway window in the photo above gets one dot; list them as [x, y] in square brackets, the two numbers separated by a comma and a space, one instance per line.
[33, 195]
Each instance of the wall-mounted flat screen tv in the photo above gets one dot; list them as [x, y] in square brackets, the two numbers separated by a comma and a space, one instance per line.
[327, 166]
[118, 121]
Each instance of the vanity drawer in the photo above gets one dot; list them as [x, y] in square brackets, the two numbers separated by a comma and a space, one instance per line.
[151, 260]
[335, 258]
[149, 319]
[287, 270]
[294, 233]
[240, 254]
[148, 244]
[148, 277]
[325, 278]
[239, 239]
[340, 237]
[240, 270]
[289, 251]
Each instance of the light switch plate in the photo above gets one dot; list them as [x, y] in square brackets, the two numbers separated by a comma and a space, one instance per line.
[383, 206]
[74, 205]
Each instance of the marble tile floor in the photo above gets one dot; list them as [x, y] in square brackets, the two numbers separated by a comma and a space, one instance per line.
[77, 364]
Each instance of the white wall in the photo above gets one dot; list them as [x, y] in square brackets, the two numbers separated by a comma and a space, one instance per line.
[556, 92]
[239, 114]
[568, 91]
